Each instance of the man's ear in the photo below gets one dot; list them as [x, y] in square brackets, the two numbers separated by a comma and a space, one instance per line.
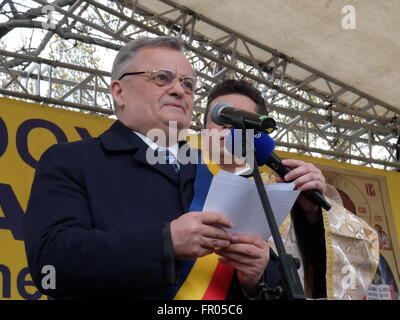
[118, 93]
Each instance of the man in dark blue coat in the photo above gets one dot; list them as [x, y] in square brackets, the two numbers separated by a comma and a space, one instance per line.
[111, 223]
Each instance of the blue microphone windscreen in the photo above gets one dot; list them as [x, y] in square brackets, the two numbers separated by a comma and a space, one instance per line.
[263, 144]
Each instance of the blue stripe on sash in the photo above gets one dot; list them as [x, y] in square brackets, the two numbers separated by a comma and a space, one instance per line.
[201, 186]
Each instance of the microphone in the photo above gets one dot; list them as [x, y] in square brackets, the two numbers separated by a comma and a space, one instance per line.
[264, 146]
[223, 113]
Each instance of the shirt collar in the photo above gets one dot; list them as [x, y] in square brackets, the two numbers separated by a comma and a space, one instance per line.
[172, 149]
[244, 171]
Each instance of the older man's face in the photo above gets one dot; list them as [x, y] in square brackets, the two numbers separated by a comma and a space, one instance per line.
[142, 104]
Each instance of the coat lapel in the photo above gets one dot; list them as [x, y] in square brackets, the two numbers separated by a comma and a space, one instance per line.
[187, 175]
[165, 169]
[121, 138]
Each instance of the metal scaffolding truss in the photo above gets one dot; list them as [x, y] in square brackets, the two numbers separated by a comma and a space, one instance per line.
[316, 114]
[38, 82]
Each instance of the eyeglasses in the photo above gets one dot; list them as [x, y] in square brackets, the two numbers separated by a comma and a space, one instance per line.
[163, 77]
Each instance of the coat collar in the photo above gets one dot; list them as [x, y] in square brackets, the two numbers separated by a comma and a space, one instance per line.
[121, 138]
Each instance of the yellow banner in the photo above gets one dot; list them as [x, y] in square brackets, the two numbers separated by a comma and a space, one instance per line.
[26, 131]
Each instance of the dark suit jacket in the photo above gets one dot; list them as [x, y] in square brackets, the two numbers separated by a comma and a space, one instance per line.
[96, 213]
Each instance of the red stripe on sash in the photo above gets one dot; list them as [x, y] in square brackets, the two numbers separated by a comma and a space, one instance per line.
[220, 283]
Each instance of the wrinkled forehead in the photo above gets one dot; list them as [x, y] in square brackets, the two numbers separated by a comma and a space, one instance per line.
[148, 59]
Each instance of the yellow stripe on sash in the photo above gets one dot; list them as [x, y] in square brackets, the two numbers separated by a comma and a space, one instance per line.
[198, 279]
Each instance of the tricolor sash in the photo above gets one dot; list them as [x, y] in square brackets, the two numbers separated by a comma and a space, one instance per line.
[204, 278]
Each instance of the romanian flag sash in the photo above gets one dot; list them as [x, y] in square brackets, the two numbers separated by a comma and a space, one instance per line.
[204, 278]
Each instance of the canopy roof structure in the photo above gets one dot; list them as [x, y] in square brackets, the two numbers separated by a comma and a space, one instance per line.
[313, 33]
[334, 91]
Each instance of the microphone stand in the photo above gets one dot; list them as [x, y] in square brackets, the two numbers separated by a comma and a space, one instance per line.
[292, 287]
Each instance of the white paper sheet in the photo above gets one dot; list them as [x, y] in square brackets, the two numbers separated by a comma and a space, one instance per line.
[237, 198]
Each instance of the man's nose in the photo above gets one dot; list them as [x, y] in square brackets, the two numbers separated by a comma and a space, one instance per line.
[176, 88]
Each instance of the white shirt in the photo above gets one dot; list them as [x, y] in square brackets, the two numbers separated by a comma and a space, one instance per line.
[173, 150]
[245, 171]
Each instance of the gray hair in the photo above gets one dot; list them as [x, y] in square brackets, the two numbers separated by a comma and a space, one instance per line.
[128, 52]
